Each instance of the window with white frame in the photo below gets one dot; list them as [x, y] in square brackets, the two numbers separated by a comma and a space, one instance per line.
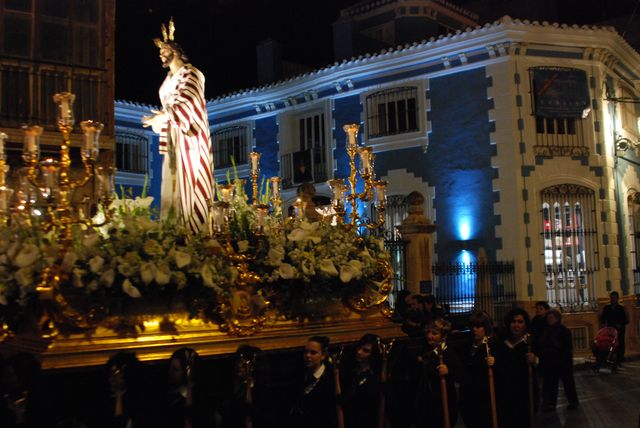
[570, 245]
[392, 111]
[305, 158]
[132, 152]
[230, 143]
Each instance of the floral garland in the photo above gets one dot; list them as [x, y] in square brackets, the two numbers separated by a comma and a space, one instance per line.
[139, 259]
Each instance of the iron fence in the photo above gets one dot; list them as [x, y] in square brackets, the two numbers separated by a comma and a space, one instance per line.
[397, 250]
[464, 287]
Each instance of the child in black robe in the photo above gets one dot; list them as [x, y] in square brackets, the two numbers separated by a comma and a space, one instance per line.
[515, 373]
[429, 368]
[475, 398]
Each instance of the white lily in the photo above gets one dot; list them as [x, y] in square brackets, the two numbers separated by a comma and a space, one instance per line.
[286, 271]
[27, 255]
[129, 289]
[182, 259]
[326, 266]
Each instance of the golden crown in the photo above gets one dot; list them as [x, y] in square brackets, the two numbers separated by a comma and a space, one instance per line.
[167, 34]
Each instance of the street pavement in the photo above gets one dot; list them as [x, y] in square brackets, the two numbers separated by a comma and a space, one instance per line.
[610, 400]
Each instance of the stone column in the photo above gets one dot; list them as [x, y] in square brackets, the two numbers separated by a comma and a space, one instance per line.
[416, 229]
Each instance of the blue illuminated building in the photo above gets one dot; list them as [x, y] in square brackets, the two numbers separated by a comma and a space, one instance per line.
[458, 119]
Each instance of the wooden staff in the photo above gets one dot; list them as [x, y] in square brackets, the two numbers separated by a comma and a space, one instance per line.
[492, 387]
[248, 364]
[385, 349]
[443, 387]
[530, 368]
[336, 373]
[190, 357]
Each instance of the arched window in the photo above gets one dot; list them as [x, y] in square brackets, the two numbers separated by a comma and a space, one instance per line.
[633, 209]
[392, 111]
[230, 143]
[570, 245]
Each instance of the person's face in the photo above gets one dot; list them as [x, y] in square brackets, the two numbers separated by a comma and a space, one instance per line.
[313, 355]
[434, 337]
[176, 372]
[614, 299]
[479, 332]
[363, 352]
[552, 320]
[408, 300]
[517, 325]
[166, 56]
[540, 310]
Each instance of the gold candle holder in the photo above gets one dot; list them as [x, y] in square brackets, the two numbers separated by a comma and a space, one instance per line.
[255, 173]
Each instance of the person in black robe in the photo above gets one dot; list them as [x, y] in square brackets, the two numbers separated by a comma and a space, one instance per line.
[128, 405]
[23, 400]
[429, 410]
[556, 362]
[475, 399]
[513, 358]
[314, 401]
[185, 403]
[234, 409]
[539, 322]
[360, 384]
[615, 315]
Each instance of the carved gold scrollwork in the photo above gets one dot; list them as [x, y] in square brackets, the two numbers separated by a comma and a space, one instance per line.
[375, 293]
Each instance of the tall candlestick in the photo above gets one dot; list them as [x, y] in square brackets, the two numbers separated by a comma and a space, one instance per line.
[352, 133]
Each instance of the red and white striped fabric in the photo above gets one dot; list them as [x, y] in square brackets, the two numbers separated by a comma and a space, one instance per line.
[185, 142]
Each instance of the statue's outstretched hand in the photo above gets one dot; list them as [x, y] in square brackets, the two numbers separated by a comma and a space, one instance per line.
[156, 121]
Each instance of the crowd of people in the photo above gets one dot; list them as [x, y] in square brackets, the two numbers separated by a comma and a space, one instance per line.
[485, 375]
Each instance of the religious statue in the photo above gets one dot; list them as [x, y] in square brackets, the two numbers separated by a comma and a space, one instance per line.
[185, 141]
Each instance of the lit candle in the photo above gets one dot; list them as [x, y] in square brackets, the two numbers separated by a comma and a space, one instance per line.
[352, 133]
[275, 187]
[226, 192]
[32, 135]
[3, 138]
[381, 192]
[365, 159]
[91, 146]
[65, 100]
[255, 162]
[217, 212]
[298, 209]
[338, 188]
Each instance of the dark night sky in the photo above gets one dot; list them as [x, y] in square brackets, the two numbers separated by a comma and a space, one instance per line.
[220, 37]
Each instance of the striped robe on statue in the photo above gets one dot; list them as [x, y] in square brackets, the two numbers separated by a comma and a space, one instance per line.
[185, 142]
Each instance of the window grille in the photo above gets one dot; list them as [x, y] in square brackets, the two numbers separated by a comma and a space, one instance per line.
[570, 246]
[392, 111]
[580, 338]
[51, 82]
[230, 143]
[132, 152]
[633, 209]
[85, 87]
[14, 87]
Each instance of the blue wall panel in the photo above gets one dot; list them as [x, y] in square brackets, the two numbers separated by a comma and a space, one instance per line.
[457, 164]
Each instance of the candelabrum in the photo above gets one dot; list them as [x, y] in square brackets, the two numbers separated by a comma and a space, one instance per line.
[53, 184]
[344, 193]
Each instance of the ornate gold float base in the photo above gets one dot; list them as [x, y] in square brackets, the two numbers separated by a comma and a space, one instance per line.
[160, 338]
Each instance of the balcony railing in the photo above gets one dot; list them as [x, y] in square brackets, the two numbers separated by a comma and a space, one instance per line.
[27, 88]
